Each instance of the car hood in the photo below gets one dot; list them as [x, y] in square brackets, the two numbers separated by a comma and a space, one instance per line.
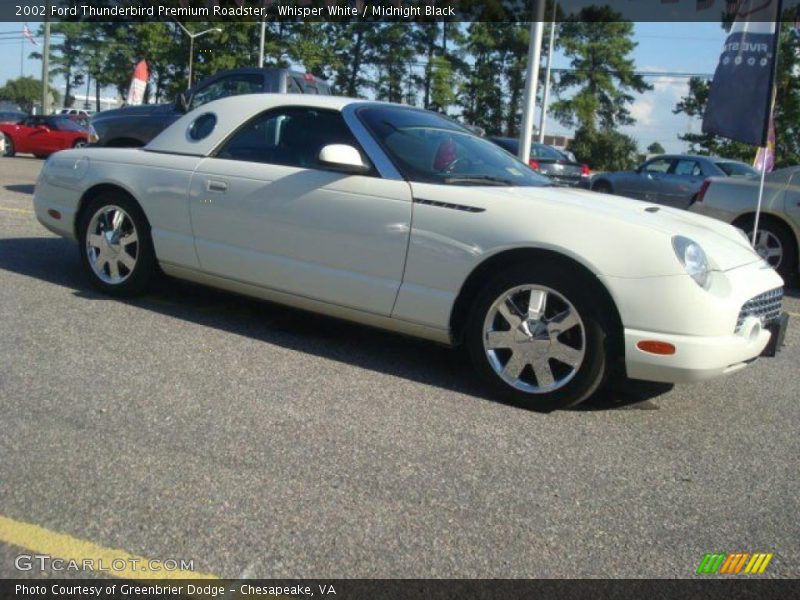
[725, 246]
[134, 111]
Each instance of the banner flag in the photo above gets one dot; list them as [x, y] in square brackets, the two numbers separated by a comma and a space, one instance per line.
[739, 100]
[138, 85]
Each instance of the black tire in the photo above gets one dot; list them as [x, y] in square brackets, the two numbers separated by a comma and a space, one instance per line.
[602, 187]
[136, 280]
[777, 234]
[9, 146]
[567, 282]
[79, 143]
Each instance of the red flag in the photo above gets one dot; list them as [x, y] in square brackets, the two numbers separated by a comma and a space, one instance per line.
[138, 84]
[28, 35]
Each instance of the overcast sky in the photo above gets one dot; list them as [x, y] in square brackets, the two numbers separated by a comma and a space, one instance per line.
[668, 48]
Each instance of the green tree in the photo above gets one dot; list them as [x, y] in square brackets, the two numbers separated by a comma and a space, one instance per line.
[442, 93]
[481, 94]
[602, 72]
[604, 150]
[655, 148]
[65, 56]
[25, 92]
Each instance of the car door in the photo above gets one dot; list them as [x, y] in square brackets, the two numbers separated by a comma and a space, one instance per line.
[679, 185]
[645, 183]
[265, 212]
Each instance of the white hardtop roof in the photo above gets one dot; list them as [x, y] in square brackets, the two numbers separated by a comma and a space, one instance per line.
[233, 111]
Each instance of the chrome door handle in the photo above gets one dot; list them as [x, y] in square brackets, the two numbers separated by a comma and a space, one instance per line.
[216, 186]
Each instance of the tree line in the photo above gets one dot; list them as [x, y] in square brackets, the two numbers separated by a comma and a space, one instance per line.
[473, 71]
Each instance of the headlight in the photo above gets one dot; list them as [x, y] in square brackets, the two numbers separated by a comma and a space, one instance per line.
[693, 259]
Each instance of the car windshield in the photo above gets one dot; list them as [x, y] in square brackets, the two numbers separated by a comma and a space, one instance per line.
[737, 169]
[430, 148]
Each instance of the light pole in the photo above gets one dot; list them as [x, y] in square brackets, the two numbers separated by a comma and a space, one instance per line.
[261, 44]
[191, 44]
[532, 78]
[546, 97]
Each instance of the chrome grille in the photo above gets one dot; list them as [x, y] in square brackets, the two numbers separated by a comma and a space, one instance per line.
[766, 306]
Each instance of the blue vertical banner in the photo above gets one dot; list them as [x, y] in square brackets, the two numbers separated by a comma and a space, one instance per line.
[740, 97]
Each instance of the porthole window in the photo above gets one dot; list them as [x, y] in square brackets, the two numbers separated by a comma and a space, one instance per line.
[202, 126]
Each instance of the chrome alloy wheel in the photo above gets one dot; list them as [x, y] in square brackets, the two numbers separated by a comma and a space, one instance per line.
[768, 247]
[534, 339]
[112, 244]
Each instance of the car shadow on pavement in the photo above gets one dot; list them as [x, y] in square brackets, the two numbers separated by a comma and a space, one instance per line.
[56, 261]
[24, 188]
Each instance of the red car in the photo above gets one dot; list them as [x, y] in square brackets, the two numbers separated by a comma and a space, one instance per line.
[41, 136]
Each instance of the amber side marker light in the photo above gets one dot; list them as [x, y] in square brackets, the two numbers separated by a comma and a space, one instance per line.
[654, 347]
[54, 213]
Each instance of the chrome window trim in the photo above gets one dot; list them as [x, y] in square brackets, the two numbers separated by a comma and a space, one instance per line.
[382, 162]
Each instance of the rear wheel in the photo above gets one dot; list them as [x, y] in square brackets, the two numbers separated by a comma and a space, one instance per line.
[8, 145]
[774, 243]
[536, 337]
[602, 187]
[116, 249]
[79, 144]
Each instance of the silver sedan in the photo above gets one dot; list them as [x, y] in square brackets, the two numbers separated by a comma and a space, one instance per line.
[671, 180]
[734, 201]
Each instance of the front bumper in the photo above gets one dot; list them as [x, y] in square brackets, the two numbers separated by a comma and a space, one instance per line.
[711, 333]
[696, 358]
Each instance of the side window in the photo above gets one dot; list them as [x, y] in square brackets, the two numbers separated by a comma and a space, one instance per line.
[251, 83]
[688, 168]
[289, 136]
[659, 165]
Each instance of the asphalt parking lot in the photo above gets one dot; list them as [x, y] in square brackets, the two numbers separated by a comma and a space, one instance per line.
[265, 442]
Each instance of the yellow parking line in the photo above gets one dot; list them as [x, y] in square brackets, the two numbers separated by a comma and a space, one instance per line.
[67, 548]
[17, 210]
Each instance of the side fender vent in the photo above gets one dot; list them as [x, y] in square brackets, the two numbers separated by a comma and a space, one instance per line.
[472, 209]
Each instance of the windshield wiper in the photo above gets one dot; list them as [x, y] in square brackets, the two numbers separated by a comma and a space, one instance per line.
[485, 179]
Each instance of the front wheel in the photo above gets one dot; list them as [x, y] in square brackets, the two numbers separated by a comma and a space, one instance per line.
[79, 144]
[116, 249]
[535, 337]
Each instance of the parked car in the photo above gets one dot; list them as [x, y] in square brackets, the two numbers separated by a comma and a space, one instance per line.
[43, 135]
[671, 180]
[134, 126]
[11, 116]
[78, 112]
[403, 219]
[549, 161]
[734, 201]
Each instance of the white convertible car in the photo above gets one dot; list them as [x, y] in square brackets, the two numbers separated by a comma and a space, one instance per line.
[403, 219]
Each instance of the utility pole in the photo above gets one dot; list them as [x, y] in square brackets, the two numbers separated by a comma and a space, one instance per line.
[546, 98]
[46, 70]
[531, 81]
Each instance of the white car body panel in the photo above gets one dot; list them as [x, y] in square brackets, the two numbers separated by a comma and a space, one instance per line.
[396, 254]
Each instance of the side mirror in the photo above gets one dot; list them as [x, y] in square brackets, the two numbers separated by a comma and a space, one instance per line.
[183, 101]
[342, 158]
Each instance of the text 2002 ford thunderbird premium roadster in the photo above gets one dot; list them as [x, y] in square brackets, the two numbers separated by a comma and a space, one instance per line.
[402, 219]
